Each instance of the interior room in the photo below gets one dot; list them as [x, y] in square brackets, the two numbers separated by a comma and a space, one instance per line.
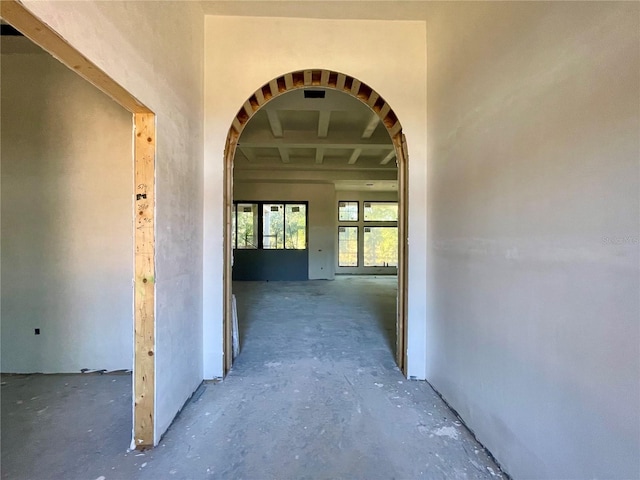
[162, 157]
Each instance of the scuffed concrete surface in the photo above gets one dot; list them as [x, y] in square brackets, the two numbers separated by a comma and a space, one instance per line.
[315, 393]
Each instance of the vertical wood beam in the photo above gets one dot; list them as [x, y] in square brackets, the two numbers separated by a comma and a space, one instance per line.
[229, 154]
[144, 280]
[400, 143]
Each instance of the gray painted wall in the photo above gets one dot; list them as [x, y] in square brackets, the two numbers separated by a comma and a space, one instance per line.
[322, 217]
[67, 241]
[533, 211]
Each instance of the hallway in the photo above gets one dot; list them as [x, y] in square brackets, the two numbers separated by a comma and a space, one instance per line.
[314, 393]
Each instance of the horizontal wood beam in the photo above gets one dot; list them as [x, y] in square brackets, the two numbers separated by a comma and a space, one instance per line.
[32, 27]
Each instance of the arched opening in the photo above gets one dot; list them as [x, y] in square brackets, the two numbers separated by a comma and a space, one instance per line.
[381, 113]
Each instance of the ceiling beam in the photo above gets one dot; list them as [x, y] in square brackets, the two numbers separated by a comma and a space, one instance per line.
[323, 123]
[354, 156]
[327, 144]
[319, 155]
[284, 154]
[388, 158]
[249, 155]
[374, 121]
[274, 123]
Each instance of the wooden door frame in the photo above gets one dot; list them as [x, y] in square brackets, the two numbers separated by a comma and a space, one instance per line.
[351, 86]
[144, 156]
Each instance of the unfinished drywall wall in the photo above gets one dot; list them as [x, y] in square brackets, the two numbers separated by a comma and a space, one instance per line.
[155, 51]
[367, 50]
[322, 217]
[67, 239]
[361, 197]
[533, 326]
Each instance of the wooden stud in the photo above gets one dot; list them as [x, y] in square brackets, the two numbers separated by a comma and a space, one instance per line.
[341, 81]
[400, 143]
[395, 130]
[307, 78]
[259, 97]
[288, 81]
[384, 111]
[273, 86]
[324, 78]
[144, 281]
[229, 154]
[355, 87]
[237, 126]
[248, 109]
[373, 98]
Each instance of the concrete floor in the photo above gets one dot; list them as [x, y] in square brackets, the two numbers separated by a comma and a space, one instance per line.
[314, 393]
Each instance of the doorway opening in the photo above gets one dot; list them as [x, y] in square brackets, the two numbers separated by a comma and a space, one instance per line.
[267, 148]
[142, 187]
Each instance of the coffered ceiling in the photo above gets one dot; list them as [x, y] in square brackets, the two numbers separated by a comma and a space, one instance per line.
[317, 134]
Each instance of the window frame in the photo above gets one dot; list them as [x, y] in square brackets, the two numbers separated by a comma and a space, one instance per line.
[357, 202]
[383, 202]
[357, 230]
[364, 240]
[260, 230]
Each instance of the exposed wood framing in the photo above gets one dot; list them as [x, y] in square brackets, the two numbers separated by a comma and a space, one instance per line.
[229, 153]
[383, 113]
[14, 13]
[144, 282]
[31, 27]
[400, 143]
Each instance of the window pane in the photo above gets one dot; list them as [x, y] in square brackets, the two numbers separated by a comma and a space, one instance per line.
[273, 225]
[347, 246]
[381, 211]
[295, 230]
[247, 225]
[381, 246]
[348, 211]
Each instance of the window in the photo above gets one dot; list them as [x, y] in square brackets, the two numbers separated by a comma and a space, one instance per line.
[381, 211]
[270, 225]
[295, 227]
[381, 246]
[347, 246]
[245, 226]
[348, 211]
